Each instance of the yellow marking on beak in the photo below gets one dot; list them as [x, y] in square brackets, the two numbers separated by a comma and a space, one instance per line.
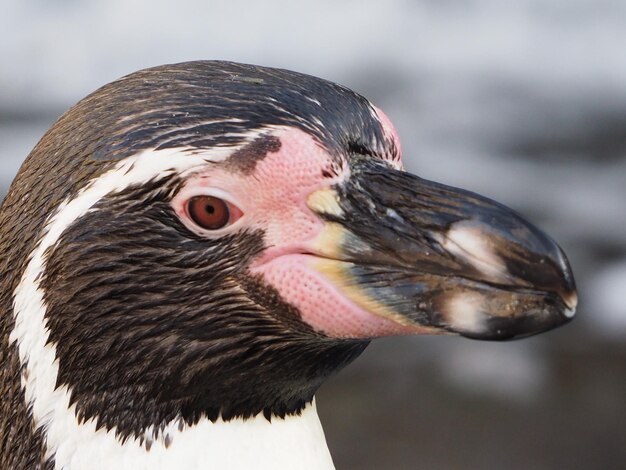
[328, 245]
[330, 240]
[325, 201]
[338, 273]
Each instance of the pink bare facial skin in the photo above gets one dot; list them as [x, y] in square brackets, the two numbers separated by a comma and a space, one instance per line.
[273, 198]
[392, 135]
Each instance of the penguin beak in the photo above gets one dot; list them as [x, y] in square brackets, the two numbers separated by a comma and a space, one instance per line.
[440, 258]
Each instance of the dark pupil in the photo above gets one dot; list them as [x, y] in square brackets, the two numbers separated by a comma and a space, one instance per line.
[208, 212]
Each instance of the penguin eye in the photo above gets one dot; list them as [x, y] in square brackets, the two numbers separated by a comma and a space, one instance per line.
[212, 213]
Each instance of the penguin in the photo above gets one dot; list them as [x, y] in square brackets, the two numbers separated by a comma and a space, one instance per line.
[190, 251]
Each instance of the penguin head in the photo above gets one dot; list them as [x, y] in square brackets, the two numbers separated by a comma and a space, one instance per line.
[216, 239]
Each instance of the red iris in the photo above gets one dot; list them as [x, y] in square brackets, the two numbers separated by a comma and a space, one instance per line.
[210, 212]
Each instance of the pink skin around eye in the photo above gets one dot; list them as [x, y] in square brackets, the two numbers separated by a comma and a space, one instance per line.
[391, 134]
[235, 213]
[273, 199]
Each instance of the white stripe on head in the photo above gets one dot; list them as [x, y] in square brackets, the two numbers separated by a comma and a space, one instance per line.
[79, 445]
[50, 406]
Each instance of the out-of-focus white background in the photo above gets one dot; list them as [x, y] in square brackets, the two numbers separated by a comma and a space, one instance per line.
[520, 100]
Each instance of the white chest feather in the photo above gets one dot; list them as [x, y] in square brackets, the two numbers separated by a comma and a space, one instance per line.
[296, 442]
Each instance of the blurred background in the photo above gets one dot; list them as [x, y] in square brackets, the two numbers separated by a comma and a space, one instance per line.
[523, 101]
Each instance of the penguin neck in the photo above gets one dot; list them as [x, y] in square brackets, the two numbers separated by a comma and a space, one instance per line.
[296, 441]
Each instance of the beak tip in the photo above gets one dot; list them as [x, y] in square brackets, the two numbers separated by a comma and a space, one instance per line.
[567, 286]
[571, 302]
